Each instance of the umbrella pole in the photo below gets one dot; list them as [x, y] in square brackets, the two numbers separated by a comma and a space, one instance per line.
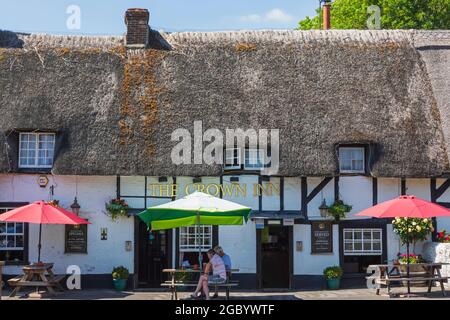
[39, 245]
[200, 258]
[407, 266]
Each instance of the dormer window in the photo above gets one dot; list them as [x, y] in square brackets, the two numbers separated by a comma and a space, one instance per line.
[36, 150]
[254, 159]
[232, 159]
[351, 160]
[244, 159]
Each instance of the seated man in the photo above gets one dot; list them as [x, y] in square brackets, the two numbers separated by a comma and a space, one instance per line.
[226, 260]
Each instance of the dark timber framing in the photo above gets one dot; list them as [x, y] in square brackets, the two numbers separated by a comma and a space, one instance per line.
[374, 191]
[436, 193]
[403, 186]
[307, 198]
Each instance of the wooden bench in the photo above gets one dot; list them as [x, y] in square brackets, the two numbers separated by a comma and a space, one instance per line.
[386, 277]
[18, 281]
[179, 284]
[1, 278]
[37, 276]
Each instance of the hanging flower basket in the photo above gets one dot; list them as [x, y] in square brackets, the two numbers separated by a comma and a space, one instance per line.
[117, 208]
[338, 210]
[54, 203]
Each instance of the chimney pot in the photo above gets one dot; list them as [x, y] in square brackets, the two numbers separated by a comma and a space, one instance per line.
[136, 21]
[326, 10]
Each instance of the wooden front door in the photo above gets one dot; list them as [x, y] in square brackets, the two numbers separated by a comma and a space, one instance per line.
[275, 256]
[153, 256]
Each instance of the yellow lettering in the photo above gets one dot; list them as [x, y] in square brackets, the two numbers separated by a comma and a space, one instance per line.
[240, 189]
[275, 189]
[216, 193]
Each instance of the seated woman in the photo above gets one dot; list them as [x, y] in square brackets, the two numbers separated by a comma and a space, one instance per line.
[219, 274]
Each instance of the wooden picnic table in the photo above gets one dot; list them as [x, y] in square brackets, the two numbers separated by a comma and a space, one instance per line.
[388, 274]
[172, 284]
[1, 278]
[37, 275]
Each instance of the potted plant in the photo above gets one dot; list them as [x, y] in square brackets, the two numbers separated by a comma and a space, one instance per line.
[412, 230]
[333, 276]
[120, 277]
[117, 208]
[339, 209]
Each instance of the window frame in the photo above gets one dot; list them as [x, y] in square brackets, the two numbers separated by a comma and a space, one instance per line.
[25, 261]
[238, 157]
[195, 248]
[362, 149]
[258, 153]
[372, 240]
[36, 164]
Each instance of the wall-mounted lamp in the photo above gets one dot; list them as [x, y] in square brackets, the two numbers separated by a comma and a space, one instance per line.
[323, 209]
[75, 207]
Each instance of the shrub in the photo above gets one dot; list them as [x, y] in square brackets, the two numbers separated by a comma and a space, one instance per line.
[334, 272]
[120, 273]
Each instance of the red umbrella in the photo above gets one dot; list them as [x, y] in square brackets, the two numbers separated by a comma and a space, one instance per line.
[40, 212]
[406, 207]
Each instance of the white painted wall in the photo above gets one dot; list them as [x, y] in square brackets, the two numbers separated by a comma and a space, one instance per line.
[356, 191]
[93, 193]
[292, 193]
[306, 263]
[240, 241]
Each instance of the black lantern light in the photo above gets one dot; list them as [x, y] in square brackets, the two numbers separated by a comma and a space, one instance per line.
[75, 207]
[323, 209]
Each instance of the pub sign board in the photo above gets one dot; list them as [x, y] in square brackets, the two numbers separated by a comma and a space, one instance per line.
[76, 239]
[321, 237]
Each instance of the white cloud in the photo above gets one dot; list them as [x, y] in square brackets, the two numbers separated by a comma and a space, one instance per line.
[251, 18]
[278, 15]
[275, 15]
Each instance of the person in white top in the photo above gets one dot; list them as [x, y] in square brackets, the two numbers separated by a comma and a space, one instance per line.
[219, 274]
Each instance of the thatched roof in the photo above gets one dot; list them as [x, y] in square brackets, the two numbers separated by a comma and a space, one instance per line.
[116, 109]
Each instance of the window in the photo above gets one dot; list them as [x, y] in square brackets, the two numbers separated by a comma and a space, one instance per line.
[12, 240]
[36, 150]
[351, 160]
[362, 241]
[254, 159]
[191, 240]
[232, 158]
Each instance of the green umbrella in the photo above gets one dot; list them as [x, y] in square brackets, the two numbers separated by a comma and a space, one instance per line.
[198, 209]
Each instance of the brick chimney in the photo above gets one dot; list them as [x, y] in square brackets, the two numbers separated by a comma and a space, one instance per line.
[326, 9]
[137, 27]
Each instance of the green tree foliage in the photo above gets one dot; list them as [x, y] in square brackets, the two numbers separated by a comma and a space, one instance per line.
[395, 14]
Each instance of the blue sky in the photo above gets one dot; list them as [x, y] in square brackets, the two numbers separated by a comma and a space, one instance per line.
[106, 16]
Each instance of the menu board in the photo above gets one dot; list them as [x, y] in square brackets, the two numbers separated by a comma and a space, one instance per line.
[76, 239]
[321, 237]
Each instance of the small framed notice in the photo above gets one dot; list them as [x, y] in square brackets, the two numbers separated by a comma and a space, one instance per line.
[321, 237]
[76, 239]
